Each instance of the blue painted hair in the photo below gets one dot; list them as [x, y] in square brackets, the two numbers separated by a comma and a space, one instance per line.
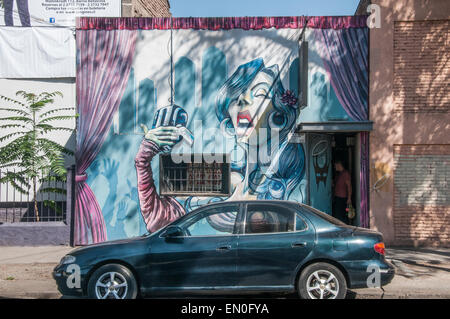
[291, 167]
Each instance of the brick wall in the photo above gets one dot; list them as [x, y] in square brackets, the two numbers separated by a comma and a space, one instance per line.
[422, 66]
[421, 195]
[146, 8]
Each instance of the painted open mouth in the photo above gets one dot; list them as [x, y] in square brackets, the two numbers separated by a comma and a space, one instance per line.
[244, 120]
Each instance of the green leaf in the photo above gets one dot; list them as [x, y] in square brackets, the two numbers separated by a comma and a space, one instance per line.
[52, 204]
[49, 144]
[48, 128]
[2, 97]
[17, 118]
[56, 110]
[12, 125]
[3, 138]
[55, 118]
[15, 111]
[12, 164]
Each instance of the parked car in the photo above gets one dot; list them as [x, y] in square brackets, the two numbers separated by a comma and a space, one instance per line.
[229, 248]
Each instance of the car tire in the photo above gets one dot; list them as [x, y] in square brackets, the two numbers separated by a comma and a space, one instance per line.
[112, 281]
[322, 281]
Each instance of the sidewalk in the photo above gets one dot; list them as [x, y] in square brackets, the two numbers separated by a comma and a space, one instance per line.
[420, 273]
[25, 272]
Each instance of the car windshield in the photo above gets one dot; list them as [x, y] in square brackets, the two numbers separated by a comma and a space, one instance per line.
[323, 215]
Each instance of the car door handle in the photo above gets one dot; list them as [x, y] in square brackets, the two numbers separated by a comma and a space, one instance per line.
[223, 248]
[298, 244]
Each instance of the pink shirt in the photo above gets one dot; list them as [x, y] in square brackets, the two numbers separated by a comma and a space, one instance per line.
[340, 189]
[157, 211]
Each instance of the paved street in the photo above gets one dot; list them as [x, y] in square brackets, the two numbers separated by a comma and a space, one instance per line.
[25, 272]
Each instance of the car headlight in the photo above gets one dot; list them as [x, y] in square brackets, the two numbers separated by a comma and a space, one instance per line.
[68, 259]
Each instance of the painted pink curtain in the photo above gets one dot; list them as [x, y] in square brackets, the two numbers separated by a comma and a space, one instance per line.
[103, 65]
[224, 23]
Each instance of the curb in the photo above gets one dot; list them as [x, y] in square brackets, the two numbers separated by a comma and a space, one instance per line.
[32, 295]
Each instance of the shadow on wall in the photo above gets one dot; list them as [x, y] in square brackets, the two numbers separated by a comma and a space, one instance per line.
[409, 102]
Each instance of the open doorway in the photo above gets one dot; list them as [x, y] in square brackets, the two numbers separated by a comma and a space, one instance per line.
[345, 148]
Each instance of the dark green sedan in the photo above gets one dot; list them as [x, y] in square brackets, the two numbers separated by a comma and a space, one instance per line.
[232, 248]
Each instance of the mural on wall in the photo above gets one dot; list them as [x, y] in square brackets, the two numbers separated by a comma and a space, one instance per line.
[231, 90]
[319, 146]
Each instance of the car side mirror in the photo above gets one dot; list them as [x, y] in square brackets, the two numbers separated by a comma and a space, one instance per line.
[173, 231]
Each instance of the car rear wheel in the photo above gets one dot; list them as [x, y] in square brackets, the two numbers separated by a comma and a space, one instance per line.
[322, 281]
[112, 281]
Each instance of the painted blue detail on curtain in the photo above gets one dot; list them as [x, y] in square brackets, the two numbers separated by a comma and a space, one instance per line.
[147, 103]
[127, 107]
[185, 87]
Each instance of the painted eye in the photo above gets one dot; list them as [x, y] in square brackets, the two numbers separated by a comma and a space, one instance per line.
[277, 120]
[260, 93]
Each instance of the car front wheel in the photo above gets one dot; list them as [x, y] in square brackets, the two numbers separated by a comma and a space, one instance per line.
[322, 281]
[112, 281]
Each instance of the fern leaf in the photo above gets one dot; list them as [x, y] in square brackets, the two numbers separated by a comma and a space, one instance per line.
[12, 125]
[7, 99]
[17, 118]
[55, 118]
[15, 111]
[3, 138]
[56, 110]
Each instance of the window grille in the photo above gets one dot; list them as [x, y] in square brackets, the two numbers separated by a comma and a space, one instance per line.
[201, 179]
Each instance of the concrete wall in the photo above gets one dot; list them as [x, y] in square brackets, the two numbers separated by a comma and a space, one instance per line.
[409, 104]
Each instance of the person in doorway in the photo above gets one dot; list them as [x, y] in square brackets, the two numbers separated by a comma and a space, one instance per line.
[342, 192]
[22, 8]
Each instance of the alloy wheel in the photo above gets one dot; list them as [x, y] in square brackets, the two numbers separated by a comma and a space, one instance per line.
[322, 284]
[111, 285]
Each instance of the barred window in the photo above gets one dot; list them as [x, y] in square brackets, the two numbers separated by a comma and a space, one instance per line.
[201, 179]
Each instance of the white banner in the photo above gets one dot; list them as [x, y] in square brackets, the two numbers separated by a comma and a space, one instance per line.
[54, 12]
[39, 52]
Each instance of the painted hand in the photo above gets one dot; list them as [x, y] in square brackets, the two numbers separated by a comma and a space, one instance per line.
[110, 170]
[122, 210]
[162, 135]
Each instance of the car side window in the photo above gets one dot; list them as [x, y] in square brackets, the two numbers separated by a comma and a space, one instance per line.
[218, 221]
[299, 223]
[262, 219]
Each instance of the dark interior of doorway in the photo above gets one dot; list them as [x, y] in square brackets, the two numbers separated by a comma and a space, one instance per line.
[344, 149]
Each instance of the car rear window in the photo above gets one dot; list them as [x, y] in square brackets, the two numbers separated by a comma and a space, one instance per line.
[323, 215]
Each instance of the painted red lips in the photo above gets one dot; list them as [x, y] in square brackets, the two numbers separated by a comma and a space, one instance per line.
[244, 119]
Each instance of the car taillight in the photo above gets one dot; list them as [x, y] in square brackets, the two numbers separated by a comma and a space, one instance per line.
[379, 248]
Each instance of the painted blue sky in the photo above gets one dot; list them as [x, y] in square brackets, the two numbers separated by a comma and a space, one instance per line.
[224, 8]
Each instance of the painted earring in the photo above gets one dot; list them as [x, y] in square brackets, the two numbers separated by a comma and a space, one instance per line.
[225, 127]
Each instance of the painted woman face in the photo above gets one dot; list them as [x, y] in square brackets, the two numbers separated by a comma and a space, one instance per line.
[249, 111]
